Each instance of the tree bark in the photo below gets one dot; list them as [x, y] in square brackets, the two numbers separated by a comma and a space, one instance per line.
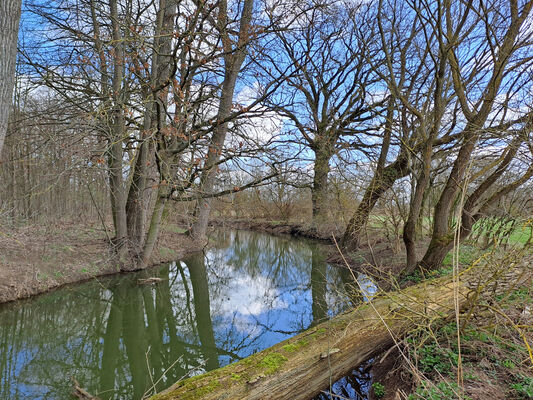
[115, 153]
[9, 26]
[139, 197]
[474, 208]
[378, 185]
[155, 223]
[442, 236]
[319, 191]
[417, 199]
[381, 182]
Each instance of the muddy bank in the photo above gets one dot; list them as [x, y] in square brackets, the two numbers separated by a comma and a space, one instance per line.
[280, 228]
[37, 259]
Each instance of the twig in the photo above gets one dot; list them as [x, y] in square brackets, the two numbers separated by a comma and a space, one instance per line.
[81, 393]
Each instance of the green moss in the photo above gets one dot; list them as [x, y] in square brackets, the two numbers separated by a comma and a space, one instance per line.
[194, 378]
[236, 377]
[209, 388]
[248, 361]
[195, 387]
[290, 348]
[272, 362]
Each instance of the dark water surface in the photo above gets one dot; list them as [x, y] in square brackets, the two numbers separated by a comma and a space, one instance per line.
[122, 340]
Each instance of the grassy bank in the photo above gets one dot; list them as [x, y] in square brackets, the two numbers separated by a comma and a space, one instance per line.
[39, 257]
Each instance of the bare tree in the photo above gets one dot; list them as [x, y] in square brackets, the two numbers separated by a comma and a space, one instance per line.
[235, 53]
[325, 96]
[498, 65]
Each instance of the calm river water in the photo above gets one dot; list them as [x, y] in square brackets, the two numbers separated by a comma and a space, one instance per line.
[122, 340]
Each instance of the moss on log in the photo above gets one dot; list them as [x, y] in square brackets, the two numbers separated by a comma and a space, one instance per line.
[302, 366]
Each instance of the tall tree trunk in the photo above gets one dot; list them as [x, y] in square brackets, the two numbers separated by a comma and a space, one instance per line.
[417, 199]
[383, 179]
[203, 208]
[155, 223]
[115, 152]
[14, 186]
[442, 236]
[138, 198]
[233, 62]
[409, 229]
[474, 208]
[319, 191]
[139, 195]
[9, 26]
[381, 182]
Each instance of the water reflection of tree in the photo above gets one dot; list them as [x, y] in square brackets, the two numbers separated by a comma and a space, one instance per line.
[318, 285]
[198, 275]
[111, 334]
[283, 265]
[113, 341]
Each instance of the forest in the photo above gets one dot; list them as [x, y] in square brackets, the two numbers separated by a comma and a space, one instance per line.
[354, 177]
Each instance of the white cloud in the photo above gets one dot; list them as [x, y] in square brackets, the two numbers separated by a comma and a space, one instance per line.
[244, 294]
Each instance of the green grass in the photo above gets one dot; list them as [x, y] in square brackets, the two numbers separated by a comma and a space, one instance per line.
[487, 338]
[520, 235]
[524, 387]
[467, 255]
[440, 391]
[379, 390]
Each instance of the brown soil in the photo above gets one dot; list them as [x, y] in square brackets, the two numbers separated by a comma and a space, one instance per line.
[37, 258]
[389, 370]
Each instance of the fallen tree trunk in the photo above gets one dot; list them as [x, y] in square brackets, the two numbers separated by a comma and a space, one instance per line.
[302, 366]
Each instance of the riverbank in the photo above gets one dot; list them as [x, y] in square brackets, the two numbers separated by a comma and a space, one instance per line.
[35, 259]
[281, 228]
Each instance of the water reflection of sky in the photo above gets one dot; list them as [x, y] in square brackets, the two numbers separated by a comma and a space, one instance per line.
[250, 291]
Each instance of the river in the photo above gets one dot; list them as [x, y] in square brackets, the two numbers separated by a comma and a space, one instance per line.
[124, 340]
